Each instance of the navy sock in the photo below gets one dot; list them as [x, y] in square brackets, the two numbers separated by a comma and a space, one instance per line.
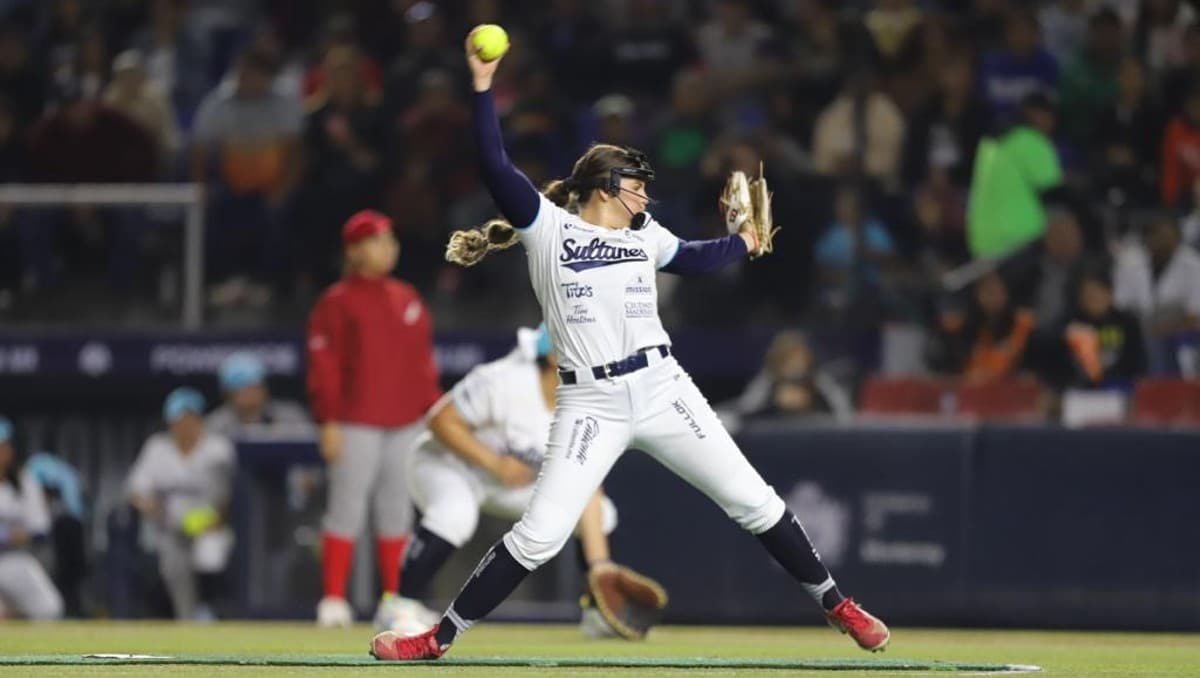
[494, 579]
[426, 555]
[787, 542]
[581, 561]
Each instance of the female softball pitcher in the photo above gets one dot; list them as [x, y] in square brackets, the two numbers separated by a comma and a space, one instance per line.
[485, 443]
[593, 254]
[371, 377]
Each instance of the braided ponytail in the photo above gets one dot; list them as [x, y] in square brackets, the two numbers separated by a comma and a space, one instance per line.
[469, 246]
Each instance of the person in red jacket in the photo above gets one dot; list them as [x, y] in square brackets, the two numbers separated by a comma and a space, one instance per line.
[371, 378]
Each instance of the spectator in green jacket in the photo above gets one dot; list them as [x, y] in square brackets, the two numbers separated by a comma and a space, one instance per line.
[1005, 210]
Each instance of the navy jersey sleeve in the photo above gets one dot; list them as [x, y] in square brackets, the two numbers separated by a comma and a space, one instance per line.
[703, 256]
[512, 191]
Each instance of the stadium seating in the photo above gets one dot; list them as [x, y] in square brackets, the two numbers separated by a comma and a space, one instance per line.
[883, 395]
[1011, 400]
[1166, 401]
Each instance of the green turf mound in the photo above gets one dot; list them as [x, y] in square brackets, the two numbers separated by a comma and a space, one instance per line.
[539, 662]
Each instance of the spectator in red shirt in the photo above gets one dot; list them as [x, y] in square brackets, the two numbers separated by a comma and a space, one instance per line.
[1181, 152]
[340, 35]
[371, 378]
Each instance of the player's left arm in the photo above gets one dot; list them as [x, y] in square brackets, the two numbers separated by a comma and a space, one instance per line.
[690, 257]
[704, 256]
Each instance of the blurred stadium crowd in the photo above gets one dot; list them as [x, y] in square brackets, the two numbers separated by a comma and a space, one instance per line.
[869, 117]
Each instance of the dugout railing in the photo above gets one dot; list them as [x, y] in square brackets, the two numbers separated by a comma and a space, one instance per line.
[187, 196]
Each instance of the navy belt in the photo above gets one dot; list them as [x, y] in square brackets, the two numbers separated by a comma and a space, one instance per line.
[617, 368]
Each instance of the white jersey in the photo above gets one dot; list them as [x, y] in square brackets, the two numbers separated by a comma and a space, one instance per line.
[503, 402]
[25, 508]
[181, 483]
[596, 285]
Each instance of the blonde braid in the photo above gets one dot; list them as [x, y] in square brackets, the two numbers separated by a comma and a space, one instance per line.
[469, 246]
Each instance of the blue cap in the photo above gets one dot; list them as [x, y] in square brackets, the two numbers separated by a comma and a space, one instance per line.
[240, 370]
[181, 401]
[6, 429]
[543, 341]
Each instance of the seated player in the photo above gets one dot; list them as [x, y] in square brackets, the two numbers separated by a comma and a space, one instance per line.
[25, 588]
[67, 537]
[482, 453]
[249, 406]
[182, 482]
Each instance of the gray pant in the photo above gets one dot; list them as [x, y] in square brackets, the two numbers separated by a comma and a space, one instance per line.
[371, 468]
[25, 586]
[175, 567]
[180, 569]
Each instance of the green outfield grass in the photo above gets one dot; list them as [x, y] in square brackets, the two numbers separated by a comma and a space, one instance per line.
[1058, 653]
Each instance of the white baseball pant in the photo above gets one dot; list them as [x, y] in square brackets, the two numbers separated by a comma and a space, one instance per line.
[25, 587]
[371, 469]
[657, 409]
[451, 494]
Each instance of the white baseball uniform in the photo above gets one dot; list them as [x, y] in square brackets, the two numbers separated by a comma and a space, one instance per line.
[181, 483]
[24, 584]
[502, 402]
[596, 287]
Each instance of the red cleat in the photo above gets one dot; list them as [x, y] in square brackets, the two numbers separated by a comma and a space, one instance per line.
[391, 646]
[870, 633]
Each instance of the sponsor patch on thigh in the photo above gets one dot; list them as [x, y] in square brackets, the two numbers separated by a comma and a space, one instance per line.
[689, 418]
[583, 434]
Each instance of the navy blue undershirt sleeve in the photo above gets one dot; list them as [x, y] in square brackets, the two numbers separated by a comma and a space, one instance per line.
[703, 256]
[511, 190]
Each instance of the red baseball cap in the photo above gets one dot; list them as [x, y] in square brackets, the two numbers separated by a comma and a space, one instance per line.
[364, 224]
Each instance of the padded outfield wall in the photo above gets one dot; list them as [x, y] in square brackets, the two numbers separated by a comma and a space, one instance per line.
[940, 524]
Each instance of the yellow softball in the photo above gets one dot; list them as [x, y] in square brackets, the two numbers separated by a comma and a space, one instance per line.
[491, 42]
